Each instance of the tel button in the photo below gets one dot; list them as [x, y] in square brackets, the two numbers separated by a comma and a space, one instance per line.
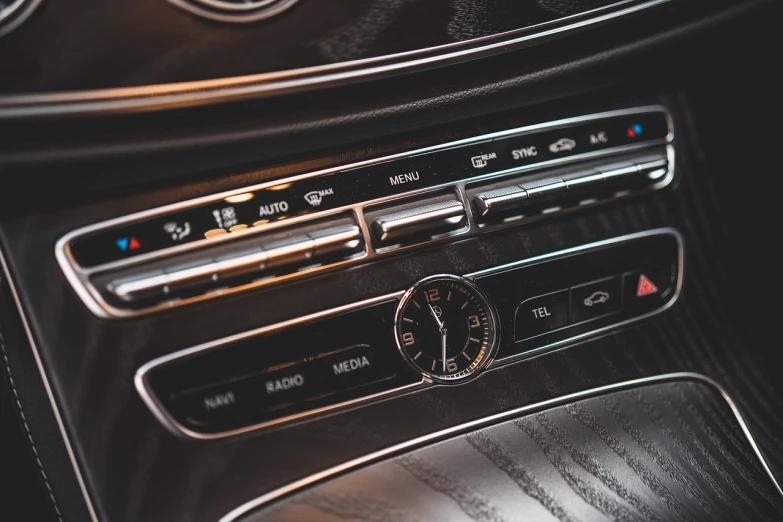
[541, 314]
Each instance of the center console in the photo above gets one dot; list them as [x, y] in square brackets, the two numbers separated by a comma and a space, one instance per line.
[445, 329]
[274, 324]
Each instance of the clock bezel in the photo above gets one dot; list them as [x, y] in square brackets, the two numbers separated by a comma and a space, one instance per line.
[492, 324]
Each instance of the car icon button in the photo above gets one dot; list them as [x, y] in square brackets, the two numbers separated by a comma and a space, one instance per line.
[595, 299]
[562, 145]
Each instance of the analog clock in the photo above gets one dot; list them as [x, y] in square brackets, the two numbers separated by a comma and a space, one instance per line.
[446, 328]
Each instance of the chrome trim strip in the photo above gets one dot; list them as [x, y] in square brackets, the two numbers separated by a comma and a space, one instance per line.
[738, 415]
[186, 94]
[159, 410]
[49, 393]
[170, 423]
[497, 363]
[490, 420]
[79, 278]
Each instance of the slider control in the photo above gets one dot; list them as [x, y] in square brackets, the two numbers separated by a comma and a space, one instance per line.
[500, 200]
[427, 220]
[167, 282]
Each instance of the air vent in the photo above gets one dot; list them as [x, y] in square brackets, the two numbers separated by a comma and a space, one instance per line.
[240, 11]
[14, 12]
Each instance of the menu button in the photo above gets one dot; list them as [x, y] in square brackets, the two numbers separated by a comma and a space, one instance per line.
[407, 177]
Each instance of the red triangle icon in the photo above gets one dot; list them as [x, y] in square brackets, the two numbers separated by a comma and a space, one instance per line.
[134, 244]
[646, 287]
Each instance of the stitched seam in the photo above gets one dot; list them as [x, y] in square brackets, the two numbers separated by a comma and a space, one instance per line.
[27, 429]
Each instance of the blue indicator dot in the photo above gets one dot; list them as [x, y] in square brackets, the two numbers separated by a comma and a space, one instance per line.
[122, 243]
[637, 129]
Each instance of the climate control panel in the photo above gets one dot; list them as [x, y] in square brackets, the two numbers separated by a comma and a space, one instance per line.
[330, 219]
[444, 330]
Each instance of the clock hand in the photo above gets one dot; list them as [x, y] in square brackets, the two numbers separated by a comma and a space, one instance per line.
[437, 319]
[442, 328]
[443, 345]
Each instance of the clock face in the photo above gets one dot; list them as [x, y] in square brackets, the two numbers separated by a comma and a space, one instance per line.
[446, 328]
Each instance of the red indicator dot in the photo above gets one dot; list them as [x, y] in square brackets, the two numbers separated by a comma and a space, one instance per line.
[634, 131]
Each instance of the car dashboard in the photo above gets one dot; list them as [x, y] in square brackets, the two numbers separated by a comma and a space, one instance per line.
[284, 260]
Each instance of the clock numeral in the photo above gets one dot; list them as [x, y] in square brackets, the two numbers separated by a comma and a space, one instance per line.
[432, 295]
[451, 366]
[407, 339]
[474, 321]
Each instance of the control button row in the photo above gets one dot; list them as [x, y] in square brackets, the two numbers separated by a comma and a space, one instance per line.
[443, 165]
[273, 256]
[637, 291]
[275, 391]
[515, 197]
[419, 222]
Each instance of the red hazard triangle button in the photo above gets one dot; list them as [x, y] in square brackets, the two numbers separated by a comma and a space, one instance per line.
[646, 287]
